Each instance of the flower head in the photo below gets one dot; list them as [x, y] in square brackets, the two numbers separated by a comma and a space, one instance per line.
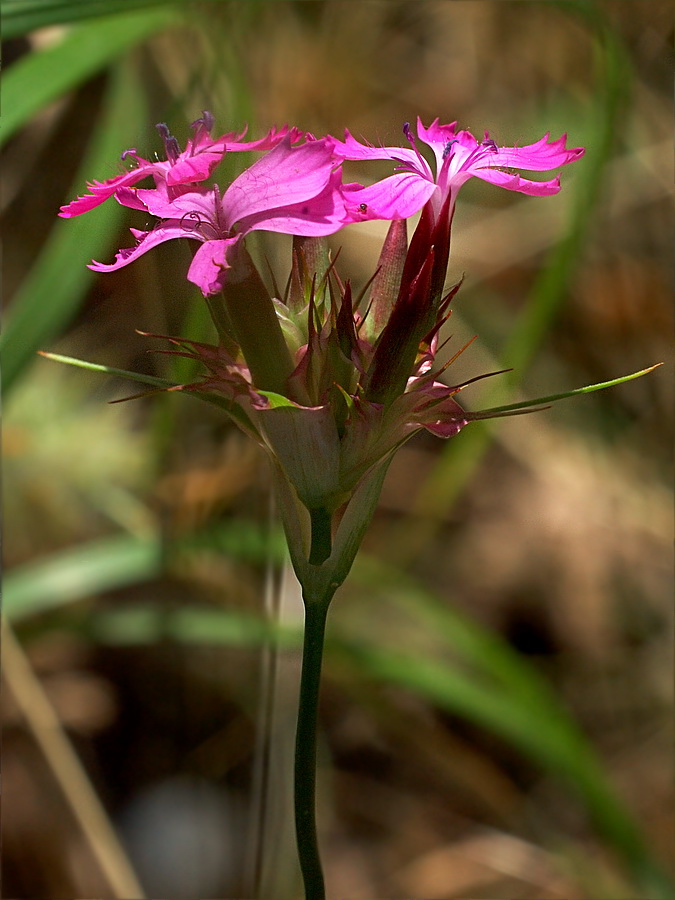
[458, 157]
[196, 163]
[293, 189]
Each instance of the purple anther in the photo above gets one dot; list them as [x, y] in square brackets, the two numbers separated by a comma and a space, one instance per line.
[446, 149]
[171, 145]
[206, 122]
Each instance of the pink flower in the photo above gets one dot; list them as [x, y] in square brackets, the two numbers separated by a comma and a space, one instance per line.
[291, 190]
[194, 164]
[459, 157]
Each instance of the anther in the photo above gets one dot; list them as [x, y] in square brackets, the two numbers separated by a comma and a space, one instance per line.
[206, 122]
[171, 145]
[446, 149]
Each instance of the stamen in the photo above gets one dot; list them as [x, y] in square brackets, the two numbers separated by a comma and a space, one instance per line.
[202, 127]
[408, 133]
[206, 122]
[171, 145]
[446, 149]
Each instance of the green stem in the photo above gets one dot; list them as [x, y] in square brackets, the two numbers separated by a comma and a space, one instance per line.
[320, 548]
[305, 748]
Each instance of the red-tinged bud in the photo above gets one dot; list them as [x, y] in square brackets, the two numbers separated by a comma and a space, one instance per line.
[418, 307]
[345, 325]
[397, 347]
[420, 243]
[387, 281]
[441, 244]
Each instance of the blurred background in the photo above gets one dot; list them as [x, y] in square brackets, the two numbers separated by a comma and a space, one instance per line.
[496, 706]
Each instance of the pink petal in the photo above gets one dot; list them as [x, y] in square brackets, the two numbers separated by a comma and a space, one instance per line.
[396, 197]
[200, 201]
[285, 176]
[436, 133]
[194, 168]
[352, 149]
[273, 137]
[102, 190]
[437, 137]
[209, 267]
[317, 216]
[515, 182]
[167, 231]
[539, 156]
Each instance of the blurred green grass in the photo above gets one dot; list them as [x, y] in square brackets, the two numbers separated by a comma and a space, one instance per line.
[259, 62]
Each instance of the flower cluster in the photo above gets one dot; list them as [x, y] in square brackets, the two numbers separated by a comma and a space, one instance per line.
[328, 384]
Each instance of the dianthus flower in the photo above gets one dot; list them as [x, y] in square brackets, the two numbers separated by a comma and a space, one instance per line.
[292, 189]
[415, 187]
[458, 157]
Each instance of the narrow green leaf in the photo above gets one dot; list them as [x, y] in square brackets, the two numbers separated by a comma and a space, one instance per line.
[69, 576]
[19, 17]
[45, 75]
[151, 623]
[52, 291]
[108, 370]
[489, 684]
[82, 572]
[546, 736]
[552, 398]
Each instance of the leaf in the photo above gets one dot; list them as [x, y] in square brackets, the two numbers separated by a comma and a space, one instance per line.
[19, 17]
[45, 75]
[73, 575]
[53, 290]
[108, 370]
[552, 398]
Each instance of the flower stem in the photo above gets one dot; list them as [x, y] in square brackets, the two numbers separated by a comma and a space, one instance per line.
[305, 748]
[321, 535]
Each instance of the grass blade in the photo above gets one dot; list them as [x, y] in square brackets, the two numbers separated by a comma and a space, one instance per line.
[84, 571]
[52, 291]
[43, 76]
